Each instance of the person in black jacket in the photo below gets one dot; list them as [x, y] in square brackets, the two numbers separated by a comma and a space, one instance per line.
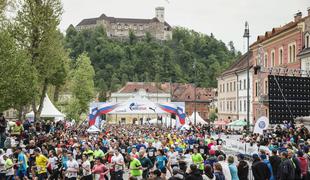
[275, 161]
[194, 174]
[259, 169]
[286, 169]
[296, 164]
[243, 168]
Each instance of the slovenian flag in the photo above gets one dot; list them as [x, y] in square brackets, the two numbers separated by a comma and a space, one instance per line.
[173, 109]
[96, 112]
[181, 115]
[105, 108]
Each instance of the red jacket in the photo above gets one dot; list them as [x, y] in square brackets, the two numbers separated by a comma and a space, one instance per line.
[303, 165]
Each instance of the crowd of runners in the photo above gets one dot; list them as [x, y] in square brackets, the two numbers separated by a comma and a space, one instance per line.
[61, 151]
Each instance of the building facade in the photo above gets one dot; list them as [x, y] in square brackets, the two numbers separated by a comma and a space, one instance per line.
[304, 55]
[186, 93]
[280, 49]
[121, 27]
[232, 91]
[145, 90]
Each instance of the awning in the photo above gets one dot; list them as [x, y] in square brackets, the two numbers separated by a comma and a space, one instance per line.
[240, 122]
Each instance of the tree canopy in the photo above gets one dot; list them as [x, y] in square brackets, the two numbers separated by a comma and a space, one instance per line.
[116, 62]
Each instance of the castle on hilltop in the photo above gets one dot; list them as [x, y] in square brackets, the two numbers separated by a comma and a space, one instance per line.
[120, 27]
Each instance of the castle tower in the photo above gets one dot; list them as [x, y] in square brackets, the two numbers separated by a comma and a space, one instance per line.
[160, 14]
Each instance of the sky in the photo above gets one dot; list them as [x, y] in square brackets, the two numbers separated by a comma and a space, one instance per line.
[224, 18]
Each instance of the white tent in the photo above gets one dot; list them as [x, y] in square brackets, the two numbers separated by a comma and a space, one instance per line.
[138, 105]
[93, 129]
[48, 110]
[198, 119]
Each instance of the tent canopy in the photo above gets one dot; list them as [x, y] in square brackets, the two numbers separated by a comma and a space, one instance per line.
[198, 118]
[220, 123]
[48, 110]
[239, 122]
[138, 105]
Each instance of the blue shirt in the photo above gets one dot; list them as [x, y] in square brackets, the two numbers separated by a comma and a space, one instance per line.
[233, 171]
[161, 162]
[64, 161]
[22, 160]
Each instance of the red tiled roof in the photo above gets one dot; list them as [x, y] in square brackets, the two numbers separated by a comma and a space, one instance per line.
[277, 31]
[131, 87]
[186, 92]
[180, 92]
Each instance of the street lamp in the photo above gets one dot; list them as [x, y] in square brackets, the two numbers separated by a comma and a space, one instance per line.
[247, 35]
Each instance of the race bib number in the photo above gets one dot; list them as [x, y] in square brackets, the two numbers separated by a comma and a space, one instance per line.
[151, 154]
[123, 151]
[202, 151]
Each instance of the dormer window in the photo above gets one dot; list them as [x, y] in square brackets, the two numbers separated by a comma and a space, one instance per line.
[188, 97]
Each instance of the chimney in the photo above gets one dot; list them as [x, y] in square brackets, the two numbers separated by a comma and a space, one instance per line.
[308, 11]
[298, 16]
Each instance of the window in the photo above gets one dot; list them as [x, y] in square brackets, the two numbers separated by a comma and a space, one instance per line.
[141, 27]
[294, 53]
[281, 56]
[227, 107]
[290, 54]
[240, 83]
[272, 59]
[307, 42]
[223, 87]
[266, 60]
[244, 84]
[234, 85]
[234, 106]
[220, 88]
[266, 87]
[220, 106]
[230, 106]
[240, 108]
[227, 87]
[307, 68]
[244, 104]
[256, 89]
[230, 84]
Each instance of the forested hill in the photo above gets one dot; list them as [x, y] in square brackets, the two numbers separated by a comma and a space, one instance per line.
[116, 62]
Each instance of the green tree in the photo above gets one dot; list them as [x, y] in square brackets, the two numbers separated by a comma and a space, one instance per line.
[142, 60]
[213, 116]
[35, 30]
[17, 76]
[82, 87]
